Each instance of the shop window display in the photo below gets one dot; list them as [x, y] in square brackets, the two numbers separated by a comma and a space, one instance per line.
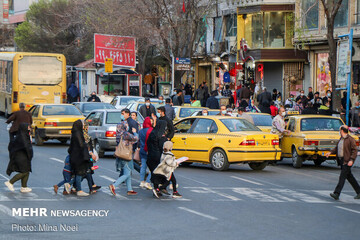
[323, 77]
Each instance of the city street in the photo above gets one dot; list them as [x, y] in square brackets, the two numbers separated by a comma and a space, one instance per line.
[279, 202]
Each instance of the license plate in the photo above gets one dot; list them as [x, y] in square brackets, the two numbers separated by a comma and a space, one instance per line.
[262, 142]
[65, 131]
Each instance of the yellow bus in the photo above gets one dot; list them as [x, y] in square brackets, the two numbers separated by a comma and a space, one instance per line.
[31, 78]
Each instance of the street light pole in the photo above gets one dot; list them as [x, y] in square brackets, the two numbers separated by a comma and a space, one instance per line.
[172, 72]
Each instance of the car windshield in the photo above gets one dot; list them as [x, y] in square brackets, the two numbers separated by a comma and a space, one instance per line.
[116, 117]
[320, 124]
[125, 101]
[88, 107]
[238, 125]
[61, 110]
[186, 112]
[261, 120]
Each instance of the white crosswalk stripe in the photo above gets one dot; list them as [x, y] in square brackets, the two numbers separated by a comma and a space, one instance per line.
[344, 198]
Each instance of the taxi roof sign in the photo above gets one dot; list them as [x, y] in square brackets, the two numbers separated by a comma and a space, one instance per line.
[108, 65]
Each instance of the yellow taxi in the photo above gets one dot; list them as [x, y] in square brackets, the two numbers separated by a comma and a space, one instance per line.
[221, 141]
[53, 121]
[182, 112]
[310, 138]
[261, 120]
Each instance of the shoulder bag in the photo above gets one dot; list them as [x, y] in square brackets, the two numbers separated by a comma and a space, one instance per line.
[124, 152]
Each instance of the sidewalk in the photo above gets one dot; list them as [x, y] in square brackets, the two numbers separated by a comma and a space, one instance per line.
[357, 162]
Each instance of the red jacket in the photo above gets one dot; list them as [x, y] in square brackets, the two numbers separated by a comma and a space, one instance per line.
[274, 110]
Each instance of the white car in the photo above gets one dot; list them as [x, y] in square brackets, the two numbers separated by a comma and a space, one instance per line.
[120, 102]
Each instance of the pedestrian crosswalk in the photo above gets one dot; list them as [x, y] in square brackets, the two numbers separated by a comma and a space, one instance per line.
[214, 194]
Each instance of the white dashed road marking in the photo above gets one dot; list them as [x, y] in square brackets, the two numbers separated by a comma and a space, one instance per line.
[248, 181]
[8, 211]
[198, 213]
[347, 209]
[57, 160]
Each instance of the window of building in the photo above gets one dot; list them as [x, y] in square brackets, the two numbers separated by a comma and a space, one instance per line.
[310, 11]
[274, 32]
[231, 25]
[218, 23]
[341, 18]
[254, 33]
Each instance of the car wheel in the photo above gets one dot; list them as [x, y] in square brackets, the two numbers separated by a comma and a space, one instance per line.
[296, 159]
[318, 162]
[38, 140]
[99, 150]
[258, 166]
[218, 160]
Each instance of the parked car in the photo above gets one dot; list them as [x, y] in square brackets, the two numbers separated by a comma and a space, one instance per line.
[102, 128]
[182, 112]
[120, 102]
[135, 106]
[224, 140]
[87, 107]
[53, 121]
[310, 138]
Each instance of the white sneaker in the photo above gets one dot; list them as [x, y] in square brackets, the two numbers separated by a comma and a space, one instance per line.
[67, 187]
[82, 194]
[10, 186]
[25, 189]
[142, 184]
[148, 186]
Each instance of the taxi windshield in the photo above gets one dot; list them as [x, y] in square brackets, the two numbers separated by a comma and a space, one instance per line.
[320, 124]
[61, 110]
[238, 125]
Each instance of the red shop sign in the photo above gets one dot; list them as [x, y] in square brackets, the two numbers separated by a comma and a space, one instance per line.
[120, 49]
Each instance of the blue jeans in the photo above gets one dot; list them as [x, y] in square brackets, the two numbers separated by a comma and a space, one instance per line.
[79, 178]
[67, 179]
[126, 169]
[143, 169]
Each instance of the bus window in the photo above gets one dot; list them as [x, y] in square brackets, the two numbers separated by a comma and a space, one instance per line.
[9, 76]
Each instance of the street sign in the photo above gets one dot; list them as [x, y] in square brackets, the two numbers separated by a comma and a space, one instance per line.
[182, 60]
[120, 49]
[108, 65]
[343, 62]
[182, 67]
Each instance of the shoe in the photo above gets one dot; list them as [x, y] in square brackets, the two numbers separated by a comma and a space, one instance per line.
[96, 187]
[334, 196]
[157, 193]
[93, 191]
[164, 191]
[73, 191]
[357, 196]
[130, 193]
[142, 184]
[67, 188]
[25, 189]
[112, 189]
[176, 195]
[82, 194]
[148, 186]
[65, 192]
[10, 186]
[171, 188]
[56, 188]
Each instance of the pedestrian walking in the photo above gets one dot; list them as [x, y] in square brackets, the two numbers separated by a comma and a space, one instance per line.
[264, 100]
[18, 117]
[80, 158]
[212, 102]
[143, 137]
[346, 153]
[72, 93]
[68, 179]
[177, 99]
[148, 109]
[170, 130]
[21, 154]
[169, 110]
[123, 165]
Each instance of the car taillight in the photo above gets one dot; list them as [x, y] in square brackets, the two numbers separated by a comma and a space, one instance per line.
[248, 143]
[63, 96]
[275, 142]
[309, 143]
[15, 97]
[50, 124]
[110, 134]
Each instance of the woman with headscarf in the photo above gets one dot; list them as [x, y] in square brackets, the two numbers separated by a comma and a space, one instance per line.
[122, 165]
[155, 144]
[80, 157]
[143, 137]
[21, 153]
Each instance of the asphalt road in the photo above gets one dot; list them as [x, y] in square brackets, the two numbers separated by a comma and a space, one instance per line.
[279, 202]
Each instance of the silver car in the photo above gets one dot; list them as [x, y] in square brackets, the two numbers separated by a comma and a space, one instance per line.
[120, 102]
[102, 128]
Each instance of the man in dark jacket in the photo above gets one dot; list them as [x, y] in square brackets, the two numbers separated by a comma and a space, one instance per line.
[148, 109]
[264, 100]
[302, 97]
[346, 153]
[17, 118]
[73, 93]
[245, 93]
[169, 110]
[310, 109]
[177, 99]
[212, 101]
[93, 97]
[170, 126]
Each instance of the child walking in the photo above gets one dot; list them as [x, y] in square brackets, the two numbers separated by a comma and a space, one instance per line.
[166, 169]
[68, 180]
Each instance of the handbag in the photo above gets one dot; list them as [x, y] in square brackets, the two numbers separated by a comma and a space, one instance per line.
[137, 155]
[124, 152]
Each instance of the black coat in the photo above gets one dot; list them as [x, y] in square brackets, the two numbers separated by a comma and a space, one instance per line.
[20, 151]
[212, 103]
[309, 111]
[155, 144]
[79, 150]
[147, 113]
[170, 131]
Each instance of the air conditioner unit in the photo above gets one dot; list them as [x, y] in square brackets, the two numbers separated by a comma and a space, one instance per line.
[231, 44]
[217, 47]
